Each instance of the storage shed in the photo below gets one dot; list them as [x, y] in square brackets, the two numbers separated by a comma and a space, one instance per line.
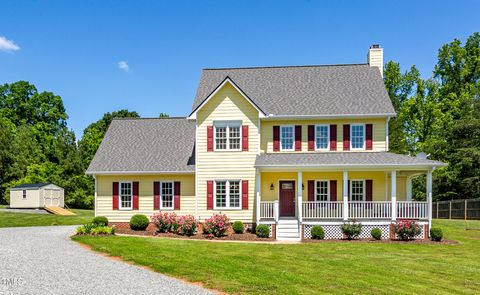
[36, 195]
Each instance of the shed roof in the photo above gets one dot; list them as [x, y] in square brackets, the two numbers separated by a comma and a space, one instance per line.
[32, 185]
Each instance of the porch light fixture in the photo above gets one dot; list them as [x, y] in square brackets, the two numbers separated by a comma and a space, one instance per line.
[271, 186]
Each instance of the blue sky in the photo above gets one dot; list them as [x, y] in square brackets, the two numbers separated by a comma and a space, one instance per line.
[73, 48]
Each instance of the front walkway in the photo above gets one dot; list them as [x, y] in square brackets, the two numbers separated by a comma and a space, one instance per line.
[43, 260]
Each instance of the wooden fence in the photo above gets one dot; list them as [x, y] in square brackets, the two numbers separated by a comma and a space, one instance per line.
[457, 209]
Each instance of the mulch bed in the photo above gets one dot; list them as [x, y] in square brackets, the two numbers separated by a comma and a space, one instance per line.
[247, 236]
[388, 241]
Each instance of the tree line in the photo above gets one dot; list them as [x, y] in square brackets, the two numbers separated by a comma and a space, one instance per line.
[439, 116]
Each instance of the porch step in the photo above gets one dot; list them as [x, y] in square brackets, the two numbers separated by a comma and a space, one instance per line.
[288, 230]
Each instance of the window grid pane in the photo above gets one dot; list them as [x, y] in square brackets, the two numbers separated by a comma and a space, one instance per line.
[322, 137]
[357, 136]
[221, 138]
[357, 190]
[287, 137]
[234, 134]
[322, 190]
[125, 195]
[167, 194]
[234, 194]
[221, 194]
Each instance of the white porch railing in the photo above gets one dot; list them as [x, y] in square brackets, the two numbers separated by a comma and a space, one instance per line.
[370, 210]
[322, 210]
[267, 210]
[412, 210]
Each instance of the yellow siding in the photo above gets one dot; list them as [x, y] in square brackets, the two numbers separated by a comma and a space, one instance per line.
[378, 178]
[104, 195]
[378, 132]
[226, 104]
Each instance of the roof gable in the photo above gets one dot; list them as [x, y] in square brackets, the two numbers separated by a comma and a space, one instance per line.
[339, 90]
[216, 90]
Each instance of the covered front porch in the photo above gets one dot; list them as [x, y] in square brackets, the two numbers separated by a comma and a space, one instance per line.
[373, 188]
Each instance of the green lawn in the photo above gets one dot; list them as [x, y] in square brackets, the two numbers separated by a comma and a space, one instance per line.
[13, 219]
[311, 268]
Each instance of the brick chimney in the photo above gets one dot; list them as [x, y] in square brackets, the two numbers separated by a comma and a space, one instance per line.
[375, 57]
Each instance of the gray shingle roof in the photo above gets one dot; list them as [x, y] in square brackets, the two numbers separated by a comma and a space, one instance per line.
[305, 90]
[146, 145]
[32, 185]
[339, 159]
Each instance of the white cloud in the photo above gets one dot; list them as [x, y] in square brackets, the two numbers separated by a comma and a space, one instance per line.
[123, 65]
[8, 45]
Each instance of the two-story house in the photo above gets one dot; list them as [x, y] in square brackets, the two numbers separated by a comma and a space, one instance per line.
[290, 147]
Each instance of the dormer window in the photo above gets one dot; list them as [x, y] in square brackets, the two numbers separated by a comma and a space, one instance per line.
[228, 136]
[357, 140]
[287, 137]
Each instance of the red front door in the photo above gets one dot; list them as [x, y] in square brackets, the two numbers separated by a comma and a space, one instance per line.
[287, 198]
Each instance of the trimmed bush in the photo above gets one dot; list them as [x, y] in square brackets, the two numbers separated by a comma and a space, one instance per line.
[351, 230]
[216, 225]
[318, 233]
[165, 222]
[139, 222]
[238, 227]
[376, 233]
[186, 225]
[100, 220]
[407, 229]
[436, 234]
[262, 231]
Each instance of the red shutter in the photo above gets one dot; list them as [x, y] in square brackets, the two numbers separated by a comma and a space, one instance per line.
[209, 195]
[311, 190]
[244, 194]
[276, 138]
[333, 137]
[156, 195]
[298, 137]
[346, 137]
[369, 135]
[333, 190]
[311, 137]
[245, 138]
[135, 195]
[115, 196]
[209, 138]
[176, 195]
[369, 190]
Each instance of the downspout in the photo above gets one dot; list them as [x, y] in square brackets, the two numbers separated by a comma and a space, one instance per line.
[386, 134]
[95, 195]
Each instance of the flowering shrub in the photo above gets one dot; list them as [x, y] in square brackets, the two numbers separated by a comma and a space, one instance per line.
[216, 225]
[406, 229]
[186, 225]
[351, 229]
[165, 222]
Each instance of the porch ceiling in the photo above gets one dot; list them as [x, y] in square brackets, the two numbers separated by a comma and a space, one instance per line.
[344, 160]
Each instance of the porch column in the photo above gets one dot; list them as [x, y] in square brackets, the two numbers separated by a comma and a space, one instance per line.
[257, 200]
[394, 195]
[429, 198]
[300, 194]
[345, 195]
[409, 188]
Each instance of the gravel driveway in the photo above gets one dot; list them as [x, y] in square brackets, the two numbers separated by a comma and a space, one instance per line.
[43, 260]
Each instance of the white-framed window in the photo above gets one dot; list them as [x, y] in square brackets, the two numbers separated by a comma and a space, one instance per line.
[24, 194]
[322, 190]
[228, 136]
[357, 190]
[287, 138]
[227, 194]
[357, 136]
[166, 195]
[322, 137]
[125, 196]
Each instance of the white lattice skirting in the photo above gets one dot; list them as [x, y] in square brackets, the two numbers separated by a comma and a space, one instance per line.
[335, 231]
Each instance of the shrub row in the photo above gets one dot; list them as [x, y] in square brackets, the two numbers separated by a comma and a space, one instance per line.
[98, 226]
[170, 222]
